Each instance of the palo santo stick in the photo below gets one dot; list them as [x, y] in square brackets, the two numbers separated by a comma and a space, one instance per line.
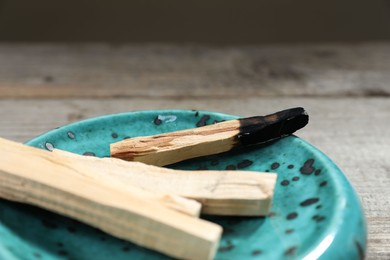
[235, 193]
[44, 179]
[164, 149]
[117, 172]
[220, 192]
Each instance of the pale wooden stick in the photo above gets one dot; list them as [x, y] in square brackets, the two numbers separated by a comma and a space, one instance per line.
[116, 172]
[45, 179]
[237, 193]
[177, 146]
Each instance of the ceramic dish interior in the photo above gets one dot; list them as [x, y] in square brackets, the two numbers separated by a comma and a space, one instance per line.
[315, 212]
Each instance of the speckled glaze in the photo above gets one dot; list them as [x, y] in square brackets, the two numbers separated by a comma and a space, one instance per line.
[315, 212]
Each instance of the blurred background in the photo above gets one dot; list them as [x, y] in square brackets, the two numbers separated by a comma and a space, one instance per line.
[220, 22]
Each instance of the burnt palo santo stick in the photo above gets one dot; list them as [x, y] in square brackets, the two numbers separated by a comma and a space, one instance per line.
[168, 148]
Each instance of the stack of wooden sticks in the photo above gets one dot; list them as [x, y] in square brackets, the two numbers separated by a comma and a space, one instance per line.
[139, 201]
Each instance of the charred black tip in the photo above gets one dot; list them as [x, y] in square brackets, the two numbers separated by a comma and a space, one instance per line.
[261, 129]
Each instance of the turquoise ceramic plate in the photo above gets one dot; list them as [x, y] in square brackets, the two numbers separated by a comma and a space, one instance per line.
[315, 212]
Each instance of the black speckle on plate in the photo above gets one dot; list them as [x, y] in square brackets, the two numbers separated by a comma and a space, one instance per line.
[257, 252]
[289, 231]
[203, 121]
[157, 121]
[71, 135]
[360, 250]
[274, 166]
[309, 202]
[284, 183]
[307, 167]
[322, 184]
[318, 218]
[290, 251]
[292, 216]
[226, 248]
[89, 154]
[244, 164]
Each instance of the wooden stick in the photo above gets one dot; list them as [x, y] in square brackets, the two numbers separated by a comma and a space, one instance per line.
[116, 172]
[92, 190]
[237, 193]
[164, 149]
[48, 180]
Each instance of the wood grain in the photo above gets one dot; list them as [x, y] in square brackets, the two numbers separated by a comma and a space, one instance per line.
[98, 70]
[169, 148]
[352, 131]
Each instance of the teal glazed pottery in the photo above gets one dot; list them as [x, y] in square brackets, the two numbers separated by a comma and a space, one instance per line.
[315, 212]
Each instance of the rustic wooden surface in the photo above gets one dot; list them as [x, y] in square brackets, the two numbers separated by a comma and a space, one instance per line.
[345, 88]
[191, 71]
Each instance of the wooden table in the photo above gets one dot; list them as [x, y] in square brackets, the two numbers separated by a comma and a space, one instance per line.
[345, 88]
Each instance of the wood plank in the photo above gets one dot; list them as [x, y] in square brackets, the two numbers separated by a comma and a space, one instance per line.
[93, 70]
[352, 131]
